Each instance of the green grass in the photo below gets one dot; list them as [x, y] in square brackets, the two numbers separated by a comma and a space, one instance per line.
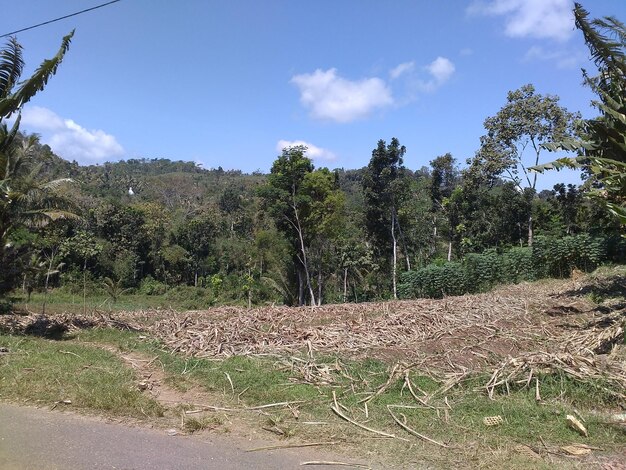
[46, 372]
[258, 381]
[263, 380]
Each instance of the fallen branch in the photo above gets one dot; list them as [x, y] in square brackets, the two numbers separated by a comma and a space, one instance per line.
[338, 412]
[334, 463]
[290, 446]
[412, 431]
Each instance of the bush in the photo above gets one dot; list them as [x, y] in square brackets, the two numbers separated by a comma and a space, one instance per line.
[518, 265]
[189, 297]
[485, 270]
[434, 281]
[150, 286]
[548, 257]
[557, 257]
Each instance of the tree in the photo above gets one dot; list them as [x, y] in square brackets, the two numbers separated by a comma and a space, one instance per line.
[286, 201]
[307, 207]
[444, 177]
[514, 139]
[385, 189]
[24, 200]
[601, 143]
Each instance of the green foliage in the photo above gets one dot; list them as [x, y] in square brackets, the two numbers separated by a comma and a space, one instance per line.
[557, 257]
[518, 264]
[113, 288]
[548, 257]
[25, 201]
[189, 297]
[484, 270]
[601, 142]
[434, 281]
[150, 286]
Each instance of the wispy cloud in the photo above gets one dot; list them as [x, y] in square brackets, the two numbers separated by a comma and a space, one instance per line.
[402, 69]
[69, 139]
[331, 97]
[530, 18]
[313, 151]
[439, 70]
[335, 98]
[563, 58]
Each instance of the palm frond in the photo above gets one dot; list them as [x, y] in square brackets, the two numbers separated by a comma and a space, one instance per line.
[11, 66]
[27, 89]
[605, 51]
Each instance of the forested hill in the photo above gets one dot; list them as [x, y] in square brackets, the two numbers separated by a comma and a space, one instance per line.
[173, 184]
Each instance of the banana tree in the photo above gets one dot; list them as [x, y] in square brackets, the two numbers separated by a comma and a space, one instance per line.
[601, 144]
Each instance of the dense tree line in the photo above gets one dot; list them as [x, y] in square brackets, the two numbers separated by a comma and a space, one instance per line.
[304, 235]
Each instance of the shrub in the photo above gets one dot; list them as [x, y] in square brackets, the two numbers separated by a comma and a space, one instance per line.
[485, 270]
[557, 257]
[548, 257]
[189, 297]
[434, 281]
[150, 286]
[518, 265]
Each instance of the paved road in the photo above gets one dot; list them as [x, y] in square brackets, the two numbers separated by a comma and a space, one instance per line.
[38, 439]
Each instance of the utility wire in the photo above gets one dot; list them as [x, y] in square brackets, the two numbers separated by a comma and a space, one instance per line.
[58, 19]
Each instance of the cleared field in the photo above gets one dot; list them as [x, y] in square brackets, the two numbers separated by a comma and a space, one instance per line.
[425, 372]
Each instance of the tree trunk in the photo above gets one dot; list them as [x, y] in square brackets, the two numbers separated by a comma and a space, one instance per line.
[433, 248]
[305, 264]
[395, 254]
[530, 230]
[45, 292]
[85, 287]
[249, 288]
[345, 285]
[319, 286]
[300, 288]
[449, 251]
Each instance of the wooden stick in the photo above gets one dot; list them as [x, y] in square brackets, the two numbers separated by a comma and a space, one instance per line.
[338, 464]
[362, 426]
[407, 381]
[289, 446]
[415, 433]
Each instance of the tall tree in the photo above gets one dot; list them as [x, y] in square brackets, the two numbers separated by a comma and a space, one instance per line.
[286, 201]
[385, 189]
[444, 176]
[514, 139]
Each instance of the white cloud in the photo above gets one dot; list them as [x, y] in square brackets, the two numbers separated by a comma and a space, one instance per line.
[530, 18]
[335, 98]
[314, 152]
[440, 70]
[401, 69]
[69, 139]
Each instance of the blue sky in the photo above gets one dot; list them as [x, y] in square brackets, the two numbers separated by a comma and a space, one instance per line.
[227, 83]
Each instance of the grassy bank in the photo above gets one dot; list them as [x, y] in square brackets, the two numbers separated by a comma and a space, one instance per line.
[367, 392]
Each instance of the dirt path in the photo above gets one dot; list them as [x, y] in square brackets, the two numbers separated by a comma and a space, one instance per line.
[32, 438]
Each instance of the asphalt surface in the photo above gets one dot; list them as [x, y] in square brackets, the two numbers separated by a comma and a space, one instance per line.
[38, 439]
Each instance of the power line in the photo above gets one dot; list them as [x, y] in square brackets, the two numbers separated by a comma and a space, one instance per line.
[58, 19]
